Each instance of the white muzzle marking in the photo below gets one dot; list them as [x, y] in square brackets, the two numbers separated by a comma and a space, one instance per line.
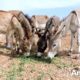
[52, 54]
[39, 54]
[27, 53]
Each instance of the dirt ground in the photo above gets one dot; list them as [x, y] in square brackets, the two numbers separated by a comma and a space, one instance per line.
[32, 68]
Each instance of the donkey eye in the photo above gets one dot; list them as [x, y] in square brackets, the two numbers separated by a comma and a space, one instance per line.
[54, 45]
[64, 25]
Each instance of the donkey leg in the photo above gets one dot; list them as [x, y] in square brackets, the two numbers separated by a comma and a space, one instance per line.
[9, 40]
[13, 46]
[71, 43]
[78, 40]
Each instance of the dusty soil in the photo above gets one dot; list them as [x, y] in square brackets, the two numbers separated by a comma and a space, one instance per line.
[22, 68]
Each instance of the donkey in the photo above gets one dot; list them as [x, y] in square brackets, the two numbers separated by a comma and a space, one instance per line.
[26, 24]
[45, 43]
[70, 23]
[10, 26]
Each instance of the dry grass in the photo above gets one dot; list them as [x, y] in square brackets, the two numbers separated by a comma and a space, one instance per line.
[32, 68]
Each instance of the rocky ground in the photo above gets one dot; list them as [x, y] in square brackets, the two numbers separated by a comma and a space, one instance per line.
[32, 68]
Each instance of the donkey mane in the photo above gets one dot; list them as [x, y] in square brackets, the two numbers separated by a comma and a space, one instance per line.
[28, 17]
